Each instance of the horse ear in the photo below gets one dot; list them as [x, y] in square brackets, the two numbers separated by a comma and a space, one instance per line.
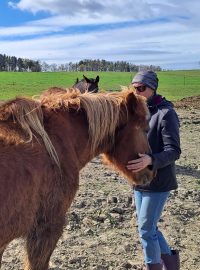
[131, 102]
[76, 80]
[85, 78]
[97, 79]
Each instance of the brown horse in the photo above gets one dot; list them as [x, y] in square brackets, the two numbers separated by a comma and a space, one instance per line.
[87, 84]
[45, 143]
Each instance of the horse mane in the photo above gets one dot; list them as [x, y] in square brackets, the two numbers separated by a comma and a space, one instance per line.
[102, 110]
[28, 114]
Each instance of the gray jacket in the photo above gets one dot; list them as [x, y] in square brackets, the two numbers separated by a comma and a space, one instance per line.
[165, 144]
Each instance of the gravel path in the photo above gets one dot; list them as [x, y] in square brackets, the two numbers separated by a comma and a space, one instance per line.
[101, 231]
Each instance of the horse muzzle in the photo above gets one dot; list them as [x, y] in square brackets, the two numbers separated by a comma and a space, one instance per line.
[145, 177]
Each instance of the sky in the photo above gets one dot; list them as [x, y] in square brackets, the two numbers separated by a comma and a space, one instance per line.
[143, 32]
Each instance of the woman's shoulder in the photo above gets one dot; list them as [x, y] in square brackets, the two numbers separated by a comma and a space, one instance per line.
[166, 107]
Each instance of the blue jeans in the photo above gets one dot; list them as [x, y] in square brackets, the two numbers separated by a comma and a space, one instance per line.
[149, 206]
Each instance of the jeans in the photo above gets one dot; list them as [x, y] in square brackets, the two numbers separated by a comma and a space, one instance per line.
[149, 206]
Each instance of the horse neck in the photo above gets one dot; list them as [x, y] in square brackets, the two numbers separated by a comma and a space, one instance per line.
[70, 138]
[72, 131]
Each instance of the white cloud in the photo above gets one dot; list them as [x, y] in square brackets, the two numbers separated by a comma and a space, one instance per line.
[143, 47]
[26, 31]
[78, 12]
[122, 9]
[162, 32]
[95, 8]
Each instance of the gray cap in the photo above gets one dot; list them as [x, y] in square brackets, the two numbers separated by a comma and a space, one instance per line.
[148, 78]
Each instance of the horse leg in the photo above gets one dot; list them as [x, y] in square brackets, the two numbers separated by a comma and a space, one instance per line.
[41, 242]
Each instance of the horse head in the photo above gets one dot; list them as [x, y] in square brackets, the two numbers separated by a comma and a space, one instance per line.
[131, 139]
[87, 84]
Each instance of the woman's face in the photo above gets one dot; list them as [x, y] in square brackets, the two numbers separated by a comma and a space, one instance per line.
[143, 90]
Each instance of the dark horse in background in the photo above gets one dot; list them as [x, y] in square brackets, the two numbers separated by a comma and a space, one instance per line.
[45, 143]
[87, 84]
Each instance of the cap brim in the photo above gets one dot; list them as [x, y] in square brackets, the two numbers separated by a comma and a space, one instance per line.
[138, 84]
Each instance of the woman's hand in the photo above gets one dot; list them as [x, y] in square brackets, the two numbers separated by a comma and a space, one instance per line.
[139, 164]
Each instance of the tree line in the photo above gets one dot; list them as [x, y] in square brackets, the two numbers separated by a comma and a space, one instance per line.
[12, 63]
[98, 65]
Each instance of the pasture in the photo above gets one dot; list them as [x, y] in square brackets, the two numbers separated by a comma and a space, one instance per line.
[175, 85]
[101, 231]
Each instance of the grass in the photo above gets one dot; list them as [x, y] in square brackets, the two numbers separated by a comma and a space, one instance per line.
[174, 85]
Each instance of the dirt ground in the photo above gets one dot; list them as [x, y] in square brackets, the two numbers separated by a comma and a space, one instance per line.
[101, 233]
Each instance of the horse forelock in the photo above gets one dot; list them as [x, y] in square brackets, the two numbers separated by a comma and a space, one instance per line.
[103, 117]
[29, 115]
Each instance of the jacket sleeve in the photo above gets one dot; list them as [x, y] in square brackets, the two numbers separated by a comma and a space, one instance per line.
[171, 141]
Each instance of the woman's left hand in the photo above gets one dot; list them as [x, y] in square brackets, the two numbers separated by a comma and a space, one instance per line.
[139, 164]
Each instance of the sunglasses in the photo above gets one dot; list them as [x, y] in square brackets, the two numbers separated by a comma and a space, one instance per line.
[140, 88]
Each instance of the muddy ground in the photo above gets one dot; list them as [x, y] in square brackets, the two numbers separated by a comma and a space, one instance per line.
[101, 233]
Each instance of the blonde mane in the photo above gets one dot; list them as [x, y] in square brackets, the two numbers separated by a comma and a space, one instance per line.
[28, 114]
[102, 110]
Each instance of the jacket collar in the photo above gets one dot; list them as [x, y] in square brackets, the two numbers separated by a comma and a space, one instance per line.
[154, 100]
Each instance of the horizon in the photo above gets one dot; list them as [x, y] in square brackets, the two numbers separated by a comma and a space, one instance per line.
[148, 32]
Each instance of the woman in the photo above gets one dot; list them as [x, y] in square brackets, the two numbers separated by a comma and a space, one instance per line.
[164, 140]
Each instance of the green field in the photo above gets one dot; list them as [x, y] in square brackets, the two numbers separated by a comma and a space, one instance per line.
[174, 85]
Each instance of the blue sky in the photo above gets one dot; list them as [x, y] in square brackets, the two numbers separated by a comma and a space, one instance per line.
[158, 32]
